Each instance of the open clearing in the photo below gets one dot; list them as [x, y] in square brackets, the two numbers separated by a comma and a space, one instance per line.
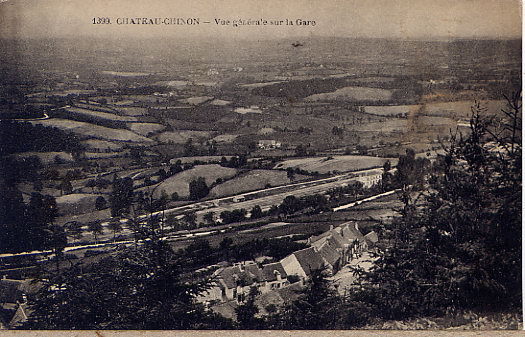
[336, 163]
[76, 203]
[253, 180]
[94, 131]
[180, 182]
[353, 94]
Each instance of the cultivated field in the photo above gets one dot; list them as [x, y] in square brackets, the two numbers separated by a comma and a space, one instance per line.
[94, 131]
[353, 94]
[103, 155]
[205, 159]
[227, 138]
[457, 109]
[99, 115]
[133, 111]
[180, 182]
[76, 203]
[336, 163]
[180, 137]
[47, 157]
[196, 100]
[101, 145]
[144, 129]
[461, 109]
[392, 110]
[252, 180]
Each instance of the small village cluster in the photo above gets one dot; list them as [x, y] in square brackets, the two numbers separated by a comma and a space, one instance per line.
[329, 251]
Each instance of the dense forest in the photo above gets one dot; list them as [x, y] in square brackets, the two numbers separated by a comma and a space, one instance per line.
[37, 138]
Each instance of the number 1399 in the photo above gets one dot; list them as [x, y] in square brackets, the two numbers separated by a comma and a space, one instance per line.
[101, 21]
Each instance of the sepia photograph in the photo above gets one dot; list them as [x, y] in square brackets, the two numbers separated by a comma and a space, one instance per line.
[261, 165]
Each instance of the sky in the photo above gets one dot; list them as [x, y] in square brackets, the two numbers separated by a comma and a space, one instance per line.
[405, 19]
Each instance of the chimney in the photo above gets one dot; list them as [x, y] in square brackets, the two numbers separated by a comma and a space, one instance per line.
[331, 227]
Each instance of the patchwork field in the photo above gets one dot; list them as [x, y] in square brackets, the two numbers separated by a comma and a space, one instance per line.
[252, 180]
[94, 131]
[353, 94]
[180, 182]
[336, 163]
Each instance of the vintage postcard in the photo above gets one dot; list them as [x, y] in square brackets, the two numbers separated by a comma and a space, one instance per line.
[249, 165]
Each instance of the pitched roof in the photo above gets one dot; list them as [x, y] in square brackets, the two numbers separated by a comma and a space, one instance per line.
[309, 260]
[350, 232]
[269, 270]
[20, 316]
[338, 239]
[10, 291]
[234, 275]
[329, 254]
[371, 238]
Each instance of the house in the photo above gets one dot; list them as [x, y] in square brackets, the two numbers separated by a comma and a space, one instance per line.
[274, 276]
[331, 256]
[329, 251]
[371, 239]
[267, 144]
[370, 177]
[302, 262]
[235, 282]
[13, 307]
[271, 301]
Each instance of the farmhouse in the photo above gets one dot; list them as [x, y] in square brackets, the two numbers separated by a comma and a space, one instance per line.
[302, 262]
[235, 282]
[370, 178]
[268, 144]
